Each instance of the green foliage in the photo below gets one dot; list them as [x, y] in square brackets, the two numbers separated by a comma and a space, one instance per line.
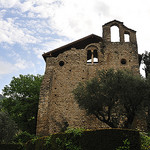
[48, 142]
[113, 97]
[23, 137]
[33, 140]
[1, 97]
[21, 102]
[70, 142]
[126, 145]
[8, 128]
[145, 142]
[75, 131]
[147, 102]
[146, 61]
[59, 143]
[104, 139]
[67, 144]
[65, 141]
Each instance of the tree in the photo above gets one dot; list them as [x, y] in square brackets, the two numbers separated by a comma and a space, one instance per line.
[8, 128]
[114, 97]
[1, 97]
[146, 61]
[147, 102]
[21, 102]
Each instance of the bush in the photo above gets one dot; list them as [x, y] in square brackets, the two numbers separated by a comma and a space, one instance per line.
[145, 141]
[23, 137]
[64, 141]
[76, 139]
[11, 147]
[126, 145]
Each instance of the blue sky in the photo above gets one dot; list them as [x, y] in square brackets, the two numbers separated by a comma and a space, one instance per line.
[28, 28]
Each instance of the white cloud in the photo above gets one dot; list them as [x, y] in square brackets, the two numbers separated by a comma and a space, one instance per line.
[20, 64]
[8, 3]
[11, 33]
[48, 46]
[55, 43]
[76, 19]
[26, 6]
[23, 64]
[2, 12]
[39, 52]
[73, 19]
[38, 8]
[6, 67]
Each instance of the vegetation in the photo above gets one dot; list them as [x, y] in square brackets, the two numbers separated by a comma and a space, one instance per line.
[146, 61]
[23, 137]
[126, 145]
[21, 102]
[1, 97]
[63, 141]
[79, 139]
[69, 142]
[114, 97]
[145, 141]
[8, 128]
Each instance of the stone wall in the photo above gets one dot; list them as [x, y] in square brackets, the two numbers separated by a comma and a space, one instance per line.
[57, 107]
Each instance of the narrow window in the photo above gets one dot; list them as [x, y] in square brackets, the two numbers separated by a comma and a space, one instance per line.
[92, 56]
[115, 37]
[126, 37]
[95, 56]
[89, 56]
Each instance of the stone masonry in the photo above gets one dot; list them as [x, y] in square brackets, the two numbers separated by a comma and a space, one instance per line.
[76, 62]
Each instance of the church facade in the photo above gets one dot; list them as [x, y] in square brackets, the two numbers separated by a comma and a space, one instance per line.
[77, 62]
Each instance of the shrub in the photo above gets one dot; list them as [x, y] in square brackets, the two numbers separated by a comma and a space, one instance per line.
[126, 145]
[23, 137]
[11, 147]
[145, 141]
[75, 131]
[78, 139]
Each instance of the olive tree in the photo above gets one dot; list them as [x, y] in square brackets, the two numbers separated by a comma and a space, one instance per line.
[114, 97]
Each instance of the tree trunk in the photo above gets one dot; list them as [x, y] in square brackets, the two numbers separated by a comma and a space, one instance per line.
[128, 123]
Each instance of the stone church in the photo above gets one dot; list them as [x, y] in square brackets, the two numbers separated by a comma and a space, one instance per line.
[75, 62]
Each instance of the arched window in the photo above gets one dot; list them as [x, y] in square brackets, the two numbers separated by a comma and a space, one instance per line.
[115, 37]
[127, 37]
[92, 55]
[89, 56]
[95, 56]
